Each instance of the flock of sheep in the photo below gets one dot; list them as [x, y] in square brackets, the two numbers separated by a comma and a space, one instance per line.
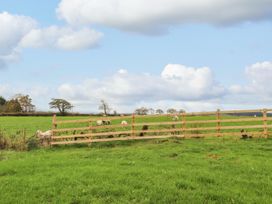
[45, 137]
[108, 122]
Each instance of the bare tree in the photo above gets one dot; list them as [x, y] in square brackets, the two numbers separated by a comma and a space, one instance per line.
[151, 111]
[62, 105]
[141, 111]
[104, 106]
[182, 111]
[159, 111]
[171, 111]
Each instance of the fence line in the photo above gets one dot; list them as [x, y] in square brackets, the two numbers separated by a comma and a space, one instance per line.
[180, 125]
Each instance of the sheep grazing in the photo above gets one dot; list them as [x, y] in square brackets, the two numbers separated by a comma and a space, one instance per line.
[99, 122]
[245, 135]
[173, 126]
[106, 122]
[124, 122]
[144, 128]
[175, 118]
[44, 136]
[103, 122]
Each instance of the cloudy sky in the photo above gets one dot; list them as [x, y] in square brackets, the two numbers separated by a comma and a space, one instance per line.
[196, 55]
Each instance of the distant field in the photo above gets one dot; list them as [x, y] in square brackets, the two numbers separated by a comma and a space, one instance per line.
[157, 171]
[31, 124]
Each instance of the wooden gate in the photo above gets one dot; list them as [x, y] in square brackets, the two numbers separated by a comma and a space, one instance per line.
[251, 123]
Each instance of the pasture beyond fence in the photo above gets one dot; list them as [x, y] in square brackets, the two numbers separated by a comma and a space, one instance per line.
[236, 123]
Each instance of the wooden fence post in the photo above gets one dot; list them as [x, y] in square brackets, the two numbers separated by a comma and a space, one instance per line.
[265, 131]
[54, 126]
[90, 128]
[132, 126]
[184, 123]
[218, 118]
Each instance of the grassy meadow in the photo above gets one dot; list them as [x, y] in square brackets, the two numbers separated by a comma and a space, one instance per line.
[210, 170]
[156, 171]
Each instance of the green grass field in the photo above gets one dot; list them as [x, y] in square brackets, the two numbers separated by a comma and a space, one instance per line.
[155, 171]
[211, 170]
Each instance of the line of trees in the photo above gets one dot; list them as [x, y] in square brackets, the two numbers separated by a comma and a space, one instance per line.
[18, 103]
[23, 104]
[145, 111]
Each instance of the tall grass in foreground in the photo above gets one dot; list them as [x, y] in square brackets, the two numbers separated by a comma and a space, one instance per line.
[17, 141]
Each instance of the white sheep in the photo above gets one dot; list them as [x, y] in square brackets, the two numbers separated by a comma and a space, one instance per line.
[44, 136]
[103, 122]
[175, 118]
[99, 122]
[124, 122]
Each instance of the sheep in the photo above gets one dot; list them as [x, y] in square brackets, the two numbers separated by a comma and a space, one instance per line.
[245, 135]
[175, 118]
[124, 122]
[99, 122]
[173, 126]
[144, 128]
[44, 136]
[103, 122]
[106, 122]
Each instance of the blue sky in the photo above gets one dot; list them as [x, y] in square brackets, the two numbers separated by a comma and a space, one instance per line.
[88, 72]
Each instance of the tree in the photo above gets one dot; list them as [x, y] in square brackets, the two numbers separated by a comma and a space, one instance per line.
[141, 111]
[12, 106]
[25, 102]
[62, 105]
[151, 111]
[171, 111]
[159, 111]
[104, 106]
[2, 101]
[182, 111]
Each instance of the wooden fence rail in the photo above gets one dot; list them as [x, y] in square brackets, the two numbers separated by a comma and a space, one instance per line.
[184, 125]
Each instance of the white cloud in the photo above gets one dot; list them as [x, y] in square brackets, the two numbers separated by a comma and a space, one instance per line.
[13, 29]
[122, 71]
[191, 81]
[9, 91]
[64, 38]
[176, 83]
[258, 89]
[178, 86]
[154, 15]
[19, 32]
[4, 89]
[259, 76]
